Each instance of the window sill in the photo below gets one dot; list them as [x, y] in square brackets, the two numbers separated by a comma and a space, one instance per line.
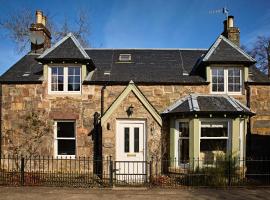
[66, 157]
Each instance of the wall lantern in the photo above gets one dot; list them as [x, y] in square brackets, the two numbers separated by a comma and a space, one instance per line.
[130, 110]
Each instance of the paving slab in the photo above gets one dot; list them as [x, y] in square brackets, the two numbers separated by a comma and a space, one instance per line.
[56, 193]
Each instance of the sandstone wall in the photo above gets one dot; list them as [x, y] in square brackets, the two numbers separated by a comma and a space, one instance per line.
[18, 99]
[260, 104]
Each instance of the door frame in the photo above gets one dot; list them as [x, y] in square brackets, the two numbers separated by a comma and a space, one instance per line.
[131, 121]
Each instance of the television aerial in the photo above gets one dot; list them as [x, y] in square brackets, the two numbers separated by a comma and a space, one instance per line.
[223, 10]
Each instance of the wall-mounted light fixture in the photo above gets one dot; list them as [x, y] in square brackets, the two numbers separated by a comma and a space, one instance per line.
[130, 110]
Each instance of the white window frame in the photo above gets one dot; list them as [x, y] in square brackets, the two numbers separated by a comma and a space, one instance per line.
[177, 133]
[226, 77]
[65, 70]
[64, 138]
[123, 55]
[229, 138]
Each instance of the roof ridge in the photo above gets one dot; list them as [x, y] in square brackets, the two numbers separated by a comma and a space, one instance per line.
[181, 49]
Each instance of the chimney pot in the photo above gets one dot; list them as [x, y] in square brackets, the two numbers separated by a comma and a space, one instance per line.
[230, 21]
[39, 16]
[44, 20]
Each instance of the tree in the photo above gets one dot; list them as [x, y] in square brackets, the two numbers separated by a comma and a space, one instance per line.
[261, 52]
[31, 133]
[15, 26]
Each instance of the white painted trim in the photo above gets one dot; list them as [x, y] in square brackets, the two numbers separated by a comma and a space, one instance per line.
[229, 137]
[56, 140]
[65, 91]
[226, 77]
[215, 45]
[177, 133]
[131, 88]
[76, 42]
[128, 122]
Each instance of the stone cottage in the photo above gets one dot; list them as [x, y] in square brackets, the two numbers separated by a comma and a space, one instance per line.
[133, 104]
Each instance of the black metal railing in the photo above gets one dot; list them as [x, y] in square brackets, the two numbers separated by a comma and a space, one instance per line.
[86, 172]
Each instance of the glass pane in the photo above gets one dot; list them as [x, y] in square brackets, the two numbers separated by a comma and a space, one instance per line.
[54, 70]
[220, 72]
[65, 129]
[214, 87]
[220, 87]
[71, 71]
[237, 88]
[61, 79]
[54, 87]
[213, 145]
[214, 79]
[236, 72]
[183, 146]
[71, 79]
[60, 87]
[66, 147]
[230, 79]
[237, 79]
[183, 129]
[60, 70]
[230, 88]
[126, 130]
[74, 87]
[77, 79]
[220, 79]
[212, 150]
[77, 71]
[214, 72]
[214, 129]
[136, 139]
[230, 72]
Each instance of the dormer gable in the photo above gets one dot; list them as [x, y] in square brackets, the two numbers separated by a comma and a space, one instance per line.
[225, 51]
[67, 49]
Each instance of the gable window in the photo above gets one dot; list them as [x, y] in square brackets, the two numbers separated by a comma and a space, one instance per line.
[218, 80]
[234, 80]
[227, 80]
[63, 79]
[65, 140]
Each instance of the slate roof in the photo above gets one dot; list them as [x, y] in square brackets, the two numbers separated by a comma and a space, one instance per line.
[66, 49]
[207, 104]
[223, 50]
[146, 66]
[26, 70]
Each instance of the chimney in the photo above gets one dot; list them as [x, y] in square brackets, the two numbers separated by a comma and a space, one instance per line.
[231, 32]
[40, 36]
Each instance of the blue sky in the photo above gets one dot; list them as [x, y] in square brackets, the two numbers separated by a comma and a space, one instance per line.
[147, 23]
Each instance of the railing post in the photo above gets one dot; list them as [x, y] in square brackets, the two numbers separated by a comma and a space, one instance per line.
[111, 171]
[151, 171]
[22, 170]
[229, 178]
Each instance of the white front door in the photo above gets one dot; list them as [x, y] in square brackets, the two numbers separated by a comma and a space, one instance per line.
[130, 150]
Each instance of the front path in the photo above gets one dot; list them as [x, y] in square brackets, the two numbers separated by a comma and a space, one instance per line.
[42, 193]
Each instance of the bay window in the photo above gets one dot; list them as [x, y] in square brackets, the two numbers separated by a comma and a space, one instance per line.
[214, 141]
[182, 143]
[227, 80]
[63, 79]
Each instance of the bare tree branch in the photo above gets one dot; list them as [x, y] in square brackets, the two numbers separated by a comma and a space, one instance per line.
[261, 52]
[16, 28]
